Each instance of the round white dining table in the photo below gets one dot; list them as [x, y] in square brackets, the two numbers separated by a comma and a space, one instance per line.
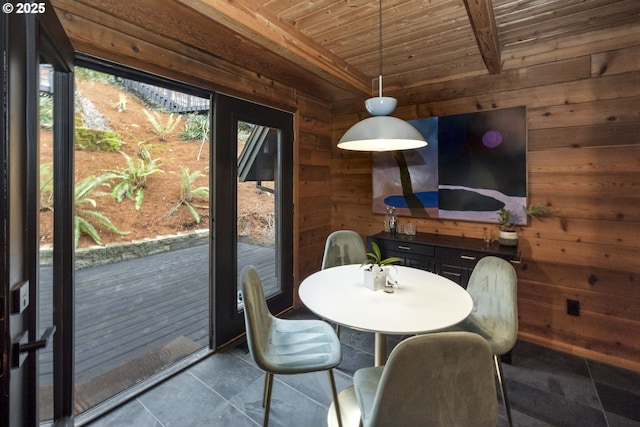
[422, 302]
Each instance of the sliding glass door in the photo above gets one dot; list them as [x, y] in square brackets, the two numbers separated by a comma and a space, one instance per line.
[154, 217]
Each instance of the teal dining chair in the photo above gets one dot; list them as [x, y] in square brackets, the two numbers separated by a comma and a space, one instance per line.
[343, 247]
[437, 380]
[286, 346]
[493, 288]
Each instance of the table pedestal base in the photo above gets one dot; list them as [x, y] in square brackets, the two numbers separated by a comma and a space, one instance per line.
[380, 349]
[348, 407]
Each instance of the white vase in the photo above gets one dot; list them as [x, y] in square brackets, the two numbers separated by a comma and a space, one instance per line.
[375, 277]
[508, 238]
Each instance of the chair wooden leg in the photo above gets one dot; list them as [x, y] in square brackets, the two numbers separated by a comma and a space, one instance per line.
[503, 387]
[266, 398]
[338, 330]
[336, 402]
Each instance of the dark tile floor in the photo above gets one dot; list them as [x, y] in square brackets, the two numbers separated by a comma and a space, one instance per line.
[546, 388]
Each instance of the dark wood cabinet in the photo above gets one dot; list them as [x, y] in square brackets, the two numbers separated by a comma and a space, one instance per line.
[449, 256]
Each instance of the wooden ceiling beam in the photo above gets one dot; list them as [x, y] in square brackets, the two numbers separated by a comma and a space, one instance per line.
[485, 29]
[265, 29]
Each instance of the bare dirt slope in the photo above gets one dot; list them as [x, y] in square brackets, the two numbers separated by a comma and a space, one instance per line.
[163, 189]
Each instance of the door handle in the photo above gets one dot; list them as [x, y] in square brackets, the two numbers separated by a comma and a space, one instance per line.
[41, 343]
[24, 346]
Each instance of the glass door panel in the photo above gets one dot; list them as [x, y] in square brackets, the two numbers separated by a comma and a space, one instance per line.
[142, 225]
[256, 196]
[45, 288]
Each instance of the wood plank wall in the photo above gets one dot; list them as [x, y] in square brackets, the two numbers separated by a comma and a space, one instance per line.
[312, 189]
[583, 159]
[583, 117]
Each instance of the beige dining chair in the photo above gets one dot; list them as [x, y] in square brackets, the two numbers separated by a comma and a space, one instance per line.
[286, 346]
[493, 289]
[437, 380]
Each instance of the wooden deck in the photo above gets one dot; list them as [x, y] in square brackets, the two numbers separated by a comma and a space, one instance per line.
[146, 308]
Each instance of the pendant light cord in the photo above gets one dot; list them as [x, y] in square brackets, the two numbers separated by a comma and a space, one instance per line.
[380, 50]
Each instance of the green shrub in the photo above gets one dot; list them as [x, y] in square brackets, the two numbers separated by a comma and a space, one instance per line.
[46, 112]
[46, 187]
[96, 76]
[196, 128]
[244, 130]
[97, 140]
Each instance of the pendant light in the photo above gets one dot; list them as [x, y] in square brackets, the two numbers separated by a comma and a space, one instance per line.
[381, 132]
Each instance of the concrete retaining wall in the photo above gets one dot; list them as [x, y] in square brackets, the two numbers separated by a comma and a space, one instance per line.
[115, 252]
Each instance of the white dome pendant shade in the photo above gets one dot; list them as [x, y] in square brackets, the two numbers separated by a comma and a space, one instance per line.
[381, 132]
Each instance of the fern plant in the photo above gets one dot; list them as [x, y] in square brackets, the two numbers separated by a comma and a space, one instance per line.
[121, 105]
[188, 194]
[163, 130]
[133, 178]
[85, 210]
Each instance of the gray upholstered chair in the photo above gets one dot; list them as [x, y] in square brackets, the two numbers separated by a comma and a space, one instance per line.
[441, 379]
[285, 346]
[343, 247]
[493, 287]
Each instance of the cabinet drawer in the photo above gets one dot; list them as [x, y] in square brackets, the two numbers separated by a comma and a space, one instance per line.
[459, 256]
[455, 273]
[405, 248]
[421, 263]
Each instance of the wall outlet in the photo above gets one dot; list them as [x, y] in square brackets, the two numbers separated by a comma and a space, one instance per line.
[573, 307]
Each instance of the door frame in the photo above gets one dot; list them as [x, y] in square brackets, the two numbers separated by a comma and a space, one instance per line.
[228, 321]
[25, 39]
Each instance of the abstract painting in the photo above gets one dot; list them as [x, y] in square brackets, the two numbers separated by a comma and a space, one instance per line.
[474, 165]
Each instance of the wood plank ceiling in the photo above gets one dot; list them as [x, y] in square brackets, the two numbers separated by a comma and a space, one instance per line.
[331, 47]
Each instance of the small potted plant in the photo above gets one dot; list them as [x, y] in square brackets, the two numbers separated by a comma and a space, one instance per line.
[375, 273]
[508, 235]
